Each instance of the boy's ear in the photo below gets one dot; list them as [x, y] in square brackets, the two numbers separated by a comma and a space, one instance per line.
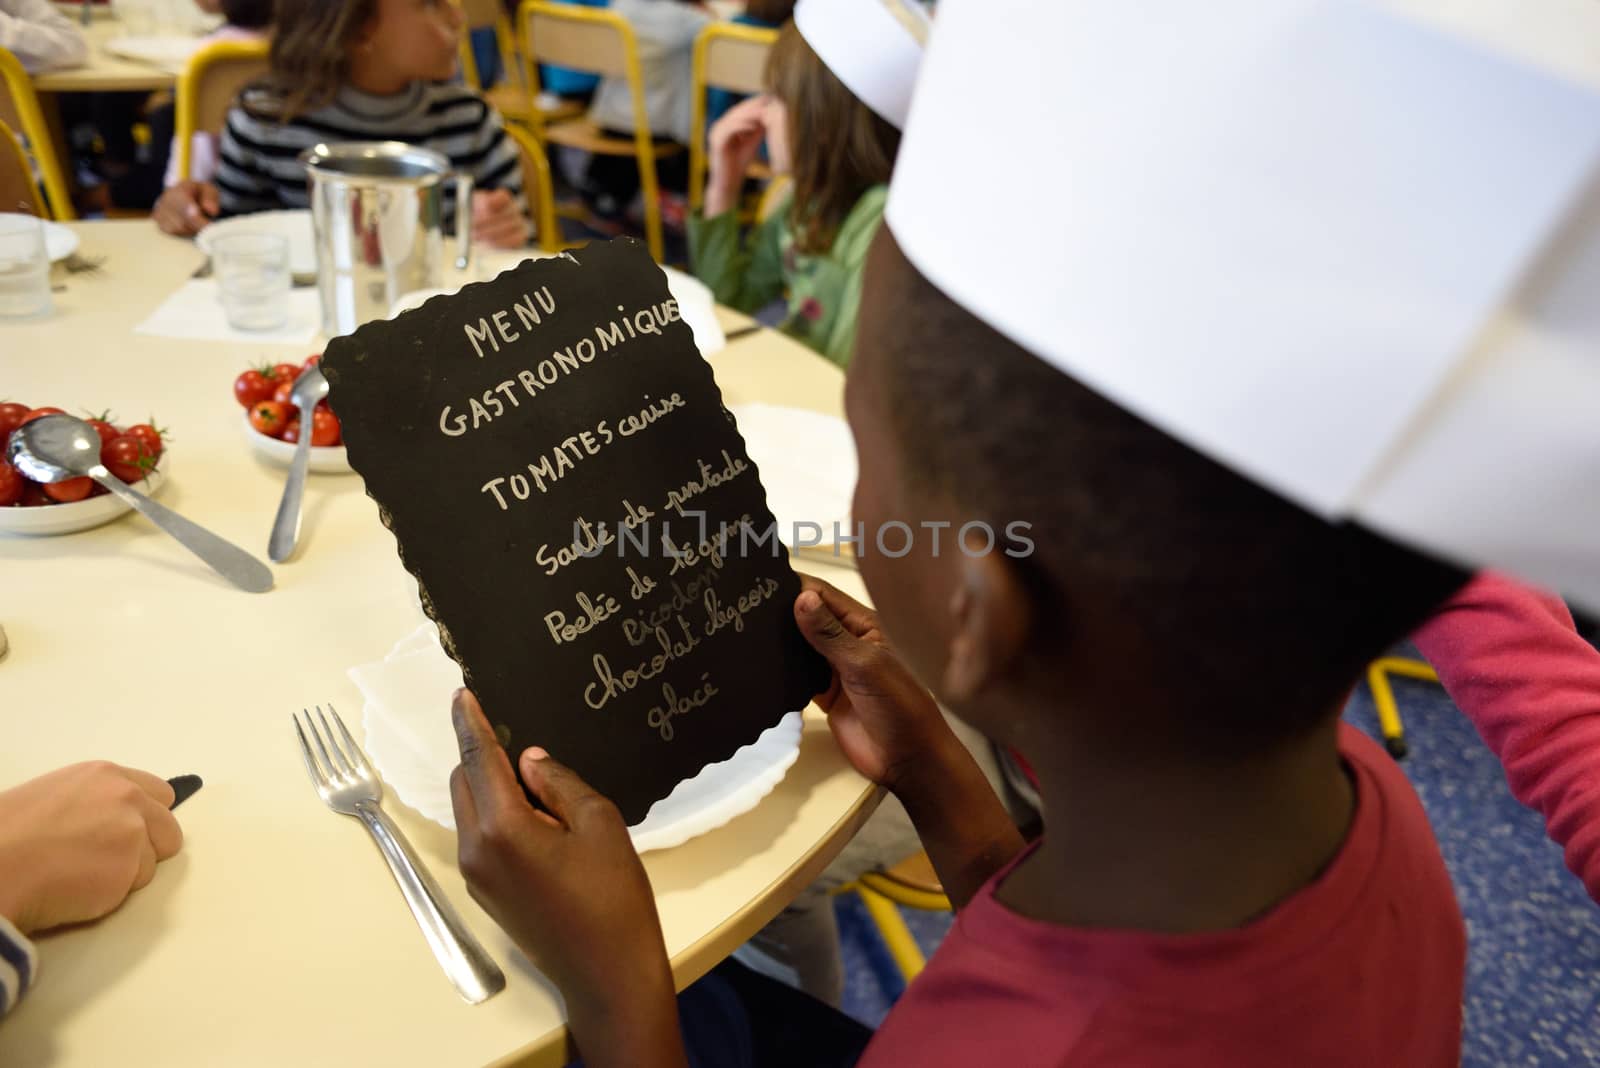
[989, 618]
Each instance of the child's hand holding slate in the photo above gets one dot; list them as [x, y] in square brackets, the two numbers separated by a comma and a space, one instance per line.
[569, 889]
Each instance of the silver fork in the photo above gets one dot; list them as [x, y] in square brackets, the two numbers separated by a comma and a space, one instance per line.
[348, 785]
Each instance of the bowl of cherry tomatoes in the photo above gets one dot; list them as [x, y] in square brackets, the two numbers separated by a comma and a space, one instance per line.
[274, 425]
[135, 453]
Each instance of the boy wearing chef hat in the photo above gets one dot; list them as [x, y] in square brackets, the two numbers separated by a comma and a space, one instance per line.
[1316, 317]
[839, 82]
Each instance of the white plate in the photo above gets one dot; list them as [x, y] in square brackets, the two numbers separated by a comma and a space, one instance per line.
[59, 242]
[807, 463]
[325, 459]
[294, 225]
[170, 52]
[414, 749]
[48, 519]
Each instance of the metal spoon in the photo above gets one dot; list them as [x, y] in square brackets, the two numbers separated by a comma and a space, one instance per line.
[309, 388]
[55, 448]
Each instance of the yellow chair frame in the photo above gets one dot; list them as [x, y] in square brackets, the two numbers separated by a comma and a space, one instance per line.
[709, 39]
[543, 187]
[10, 146]
[526, 108]
[644, 150]
[191, 81]
[880, 892]
[504, 40]
[41, 142]
[1378, 672]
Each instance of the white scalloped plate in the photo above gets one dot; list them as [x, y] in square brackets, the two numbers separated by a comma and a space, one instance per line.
[324, 460]
[415, 753]
[49, 519]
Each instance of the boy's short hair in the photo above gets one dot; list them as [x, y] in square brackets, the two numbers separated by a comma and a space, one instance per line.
[1231, 592]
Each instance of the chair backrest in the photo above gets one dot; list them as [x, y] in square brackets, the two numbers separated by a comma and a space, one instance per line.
[18, 191]
[587, 39]
[19, 109]
[726, 56]
[208, 87]
[483, 15]
[733, 57]
[538, 186]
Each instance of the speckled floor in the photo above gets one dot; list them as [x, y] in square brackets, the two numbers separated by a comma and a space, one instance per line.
[1533, 982]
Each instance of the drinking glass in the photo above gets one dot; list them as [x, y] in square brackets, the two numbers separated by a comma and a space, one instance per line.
[252, 273]
[24, 268]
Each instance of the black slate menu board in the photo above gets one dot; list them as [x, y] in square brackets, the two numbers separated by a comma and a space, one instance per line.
[583, 521]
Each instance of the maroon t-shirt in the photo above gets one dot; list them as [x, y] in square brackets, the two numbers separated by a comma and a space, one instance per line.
[1364, 966]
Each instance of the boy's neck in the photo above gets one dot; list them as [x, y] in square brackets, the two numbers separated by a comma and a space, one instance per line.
[1180, 848]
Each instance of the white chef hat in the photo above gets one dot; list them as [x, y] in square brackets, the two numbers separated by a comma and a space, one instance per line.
[872, 46]
[1350, 248]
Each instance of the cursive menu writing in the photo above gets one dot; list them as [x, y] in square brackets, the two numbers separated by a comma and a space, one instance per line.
[585, 526]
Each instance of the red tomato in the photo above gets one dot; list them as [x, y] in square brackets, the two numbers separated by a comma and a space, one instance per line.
[33, 495]
[73, 489]
[149, 436]
[312, 361]
[269, 418]
[282, 393]
[324, 428]
[285, 372]
[291, 431]
[11, 416]
[11, 484]
[251, 388]
[105, 430]
[39, 413]
[127, 458]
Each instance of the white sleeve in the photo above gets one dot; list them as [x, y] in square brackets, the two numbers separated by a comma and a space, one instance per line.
[40, 36]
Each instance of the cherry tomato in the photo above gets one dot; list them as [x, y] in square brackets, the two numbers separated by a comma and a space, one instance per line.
[106, 431]
[251, 388]
[39, 413]
[11, 484]
[324, 428]
[291, 431]
[282, 393]
[285, 372]
[312, 361]
[149, 436]
[73, 489]
[127, 458]
[11, 416]
[269, 418]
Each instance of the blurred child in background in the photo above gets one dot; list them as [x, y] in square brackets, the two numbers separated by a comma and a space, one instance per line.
[834, 132]
[41, 37]
[365, 70]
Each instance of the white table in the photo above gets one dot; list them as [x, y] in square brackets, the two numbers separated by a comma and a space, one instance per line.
[277, 936]
[104, 72]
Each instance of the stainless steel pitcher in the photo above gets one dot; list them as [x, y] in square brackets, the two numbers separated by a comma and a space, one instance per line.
[377, 210]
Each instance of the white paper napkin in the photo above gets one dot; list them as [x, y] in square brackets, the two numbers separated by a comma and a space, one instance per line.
[408, 735]
[194, 312]
[807, 463]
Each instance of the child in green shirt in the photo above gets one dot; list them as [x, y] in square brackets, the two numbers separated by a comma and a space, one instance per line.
[839, 153]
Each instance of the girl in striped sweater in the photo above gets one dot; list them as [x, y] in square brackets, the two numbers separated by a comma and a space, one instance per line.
[357, 70]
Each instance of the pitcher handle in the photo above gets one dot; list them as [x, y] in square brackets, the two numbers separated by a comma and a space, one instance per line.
[463, 220]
